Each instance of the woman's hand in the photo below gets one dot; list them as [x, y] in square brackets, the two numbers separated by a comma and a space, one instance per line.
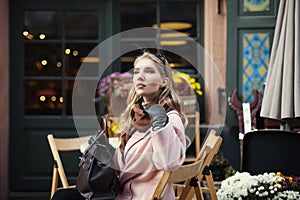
[158, 115]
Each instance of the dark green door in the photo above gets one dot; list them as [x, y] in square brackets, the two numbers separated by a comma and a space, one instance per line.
[49, 41]
[250, 28]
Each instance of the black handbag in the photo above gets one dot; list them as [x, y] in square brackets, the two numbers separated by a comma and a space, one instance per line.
[97, 178]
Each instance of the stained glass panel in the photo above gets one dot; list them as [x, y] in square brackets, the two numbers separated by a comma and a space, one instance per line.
[256, 51]
[256, 5]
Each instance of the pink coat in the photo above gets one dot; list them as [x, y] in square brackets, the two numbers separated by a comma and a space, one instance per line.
[147, 155]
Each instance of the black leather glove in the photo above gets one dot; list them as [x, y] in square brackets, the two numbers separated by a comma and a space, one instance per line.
[158, 115]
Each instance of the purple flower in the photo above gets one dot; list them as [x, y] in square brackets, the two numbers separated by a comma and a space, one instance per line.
[103, 87]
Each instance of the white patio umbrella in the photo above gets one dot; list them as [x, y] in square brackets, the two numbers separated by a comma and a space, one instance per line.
[281, 99]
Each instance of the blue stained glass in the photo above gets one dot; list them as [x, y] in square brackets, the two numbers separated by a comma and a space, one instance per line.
[256, 52]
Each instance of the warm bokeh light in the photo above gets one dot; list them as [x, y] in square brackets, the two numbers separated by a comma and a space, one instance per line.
[75, 53]
[44, 62]
[25, 33]
[42, 98]
[67, 51]
[58, 64]
[172, 65]
[174, 25]
[173, 42]
[89, 59]
[29, 36]
[53, 98]
[42, 36]
[173, 35]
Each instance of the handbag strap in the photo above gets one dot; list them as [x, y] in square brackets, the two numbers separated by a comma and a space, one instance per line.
[103, 131]
[103, 124]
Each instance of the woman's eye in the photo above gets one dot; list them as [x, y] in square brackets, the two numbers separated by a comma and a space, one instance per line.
[150, 71]
[135, 72]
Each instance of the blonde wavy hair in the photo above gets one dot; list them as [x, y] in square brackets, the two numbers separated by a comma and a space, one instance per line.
[167, 95]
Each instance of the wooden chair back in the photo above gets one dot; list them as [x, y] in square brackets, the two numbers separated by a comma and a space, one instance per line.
[193, 134]
[192, 174]
[58, 145]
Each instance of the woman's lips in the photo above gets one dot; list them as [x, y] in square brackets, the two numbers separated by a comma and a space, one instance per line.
[140, 86]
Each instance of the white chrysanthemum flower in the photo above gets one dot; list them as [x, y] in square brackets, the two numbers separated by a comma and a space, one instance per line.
[287, 195]
[265, 186]
[272, 191]
[252, 190]
[261, 188]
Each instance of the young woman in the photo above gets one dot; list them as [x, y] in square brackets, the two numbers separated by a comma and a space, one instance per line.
[154, 138]
[152, 132]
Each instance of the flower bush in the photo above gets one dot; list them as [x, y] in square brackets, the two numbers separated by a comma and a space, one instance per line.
[221, 168]
[290, 182]
[103, 87]
[184, 83]
[267, 186]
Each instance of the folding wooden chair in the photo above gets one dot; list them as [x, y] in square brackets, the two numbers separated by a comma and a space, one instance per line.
[192, 174]
[194, 122]
[184, 173]
[214, 142]
[60, 145]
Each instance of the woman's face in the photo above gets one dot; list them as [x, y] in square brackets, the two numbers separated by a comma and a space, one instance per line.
[147, 80]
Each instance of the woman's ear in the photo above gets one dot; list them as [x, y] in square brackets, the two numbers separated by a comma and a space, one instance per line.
[164, 82]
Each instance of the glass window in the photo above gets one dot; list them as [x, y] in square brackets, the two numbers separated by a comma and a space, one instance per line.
[78, 53]
[177, 21]
[82, 24]
[58, 42]
[51, 61]
[43, 59]
[179, 16]
[164, 15]
[82, 89]
[137, 15]
[41, 25]
[43, 97]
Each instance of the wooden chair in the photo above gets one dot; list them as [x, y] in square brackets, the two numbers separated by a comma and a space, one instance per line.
[192, 174]
[58, 145]
[194, 123]
[214, 142]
